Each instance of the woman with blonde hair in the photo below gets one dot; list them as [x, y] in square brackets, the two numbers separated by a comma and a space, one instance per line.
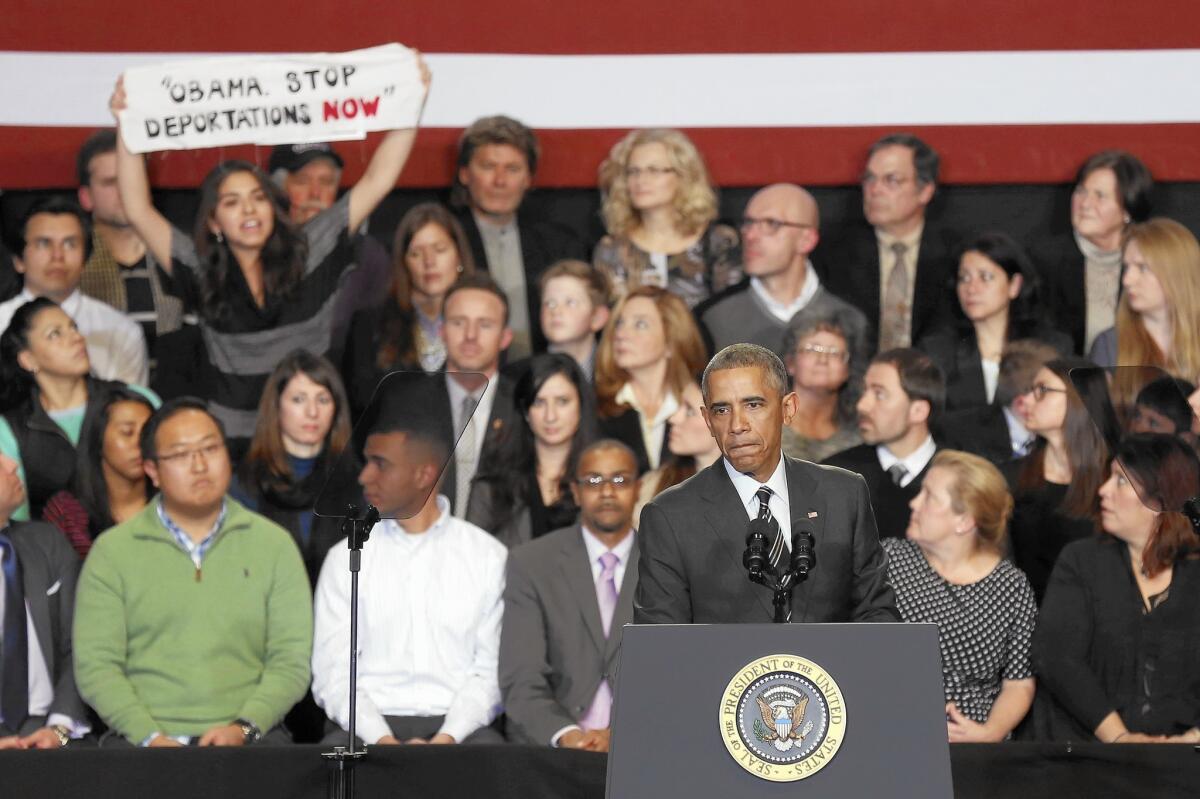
[950, 570]
[649, 352]
[659, 205]
[1158, 315]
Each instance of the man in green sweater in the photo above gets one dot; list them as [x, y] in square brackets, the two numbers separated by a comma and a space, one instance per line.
[193, 621]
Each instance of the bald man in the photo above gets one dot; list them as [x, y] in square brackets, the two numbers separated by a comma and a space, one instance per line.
[779, 231]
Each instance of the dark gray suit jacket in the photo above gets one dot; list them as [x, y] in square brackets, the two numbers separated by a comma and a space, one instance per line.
[553, 652]
[692, 537]
[50, 569]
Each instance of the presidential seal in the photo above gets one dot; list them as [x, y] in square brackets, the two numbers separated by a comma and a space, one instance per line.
[782, 718]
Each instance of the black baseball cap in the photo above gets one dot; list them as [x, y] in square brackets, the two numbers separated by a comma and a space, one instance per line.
[290, 157]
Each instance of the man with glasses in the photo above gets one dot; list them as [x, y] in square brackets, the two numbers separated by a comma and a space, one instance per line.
[193, 622]
[557, 674]
[779, 231]
[899, 270]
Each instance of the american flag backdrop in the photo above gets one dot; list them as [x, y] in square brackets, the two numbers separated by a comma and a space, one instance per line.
[1006, 90]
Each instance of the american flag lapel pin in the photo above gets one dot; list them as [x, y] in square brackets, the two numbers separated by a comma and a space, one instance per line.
[812, 514]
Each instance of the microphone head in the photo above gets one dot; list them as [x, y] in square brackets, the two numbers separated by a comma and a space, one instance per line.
[758, 530]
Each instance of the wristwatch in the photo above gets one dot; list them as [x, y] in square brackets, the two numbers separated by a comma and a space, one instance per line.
[250, 730]
[64, 735]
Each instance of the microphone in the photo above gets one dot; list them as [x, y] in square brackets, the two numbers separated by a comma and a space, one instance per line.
[755, 558]
[804, 554]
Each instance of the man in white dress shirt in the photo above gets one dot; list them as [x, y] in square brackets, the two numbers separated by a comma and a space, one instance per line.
[430, 604]
[55, 237]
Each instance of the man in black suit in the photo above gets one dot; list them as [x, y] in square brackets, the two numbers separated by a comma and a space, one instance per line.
[497, 159]
[860, 265]
[475, 329]
[692, 536]
[40, 707]
[904, 390]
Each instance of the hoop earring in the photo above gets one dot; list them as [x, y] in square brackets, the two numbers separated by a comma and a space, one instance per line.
[220, 238]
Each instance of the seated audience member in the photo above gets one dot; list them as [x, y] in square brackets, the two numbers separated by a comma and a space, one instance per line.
[779, 232]
[650, 350]
[826, 351]
[902, 395]
[997, 431]
[120, 270]
[40, 707]
[659, 208]
[556, 674]
[1162, 407]
[497, 160]
[298, 453]
[691, 446]
[1054, 486]
[951, 571]
[431, 600]
[902, 304]
[478, 395]
[405, 331]
[48, 399]
[1158, 315]
[574, 309]
[158, 672]
[1082, 269]
[522, 488]
[999, 293]
[1115, 650]
[260, 286]
[109, 485]
[309, 174]
[55, 238]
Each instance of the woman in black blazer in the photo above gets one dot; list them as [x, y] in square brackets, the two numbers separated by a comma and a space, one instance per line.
[999, 293]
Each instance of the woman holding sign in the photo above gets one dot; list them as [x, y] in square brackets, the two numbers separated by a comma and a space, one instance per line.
[261, 286]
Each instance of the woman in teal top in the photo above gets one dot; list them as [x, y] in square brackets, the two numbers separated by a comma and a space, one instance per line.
[47, 398]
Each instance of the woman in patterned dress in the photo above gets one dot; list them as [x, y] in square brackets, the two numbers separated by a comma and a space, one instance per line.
[950, 570]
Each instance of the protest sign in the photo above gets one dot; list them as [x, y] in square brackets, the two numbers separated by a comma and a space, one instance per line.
[214, 102]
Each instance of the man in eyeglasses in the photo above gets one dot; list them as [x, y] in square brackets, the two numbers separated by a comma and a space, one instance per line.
[899, 270]
[556, 674]
[779, 231]
[193, 623]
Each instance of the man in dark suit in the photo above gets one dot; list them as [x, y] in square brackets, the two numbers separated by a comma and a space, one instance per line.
[555, 673]
[475, 329]
[861, 265]
[692, 536]
[39, 705]
[497, 159]
[903, 393]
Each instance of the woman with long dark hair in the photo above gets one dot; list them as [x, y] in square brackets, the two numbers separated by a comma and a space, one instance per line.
[430, 252]
[1054, 486]
[109, 485]
[1115, 650]
[999, 292]
[48, 399]
[260, 286]
[298, 451]
[523, 490]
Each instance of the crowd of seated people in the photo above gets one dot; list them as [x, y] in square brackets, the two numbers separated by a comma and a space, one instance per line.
[945, 367]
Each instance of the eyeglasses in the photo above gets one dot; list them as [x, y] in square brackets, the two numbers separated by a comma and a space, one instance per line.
[633, 172]
[816, 351]
[1040, 390]
[180, 457]
[890, 181]
[595, 482]
[769, 225]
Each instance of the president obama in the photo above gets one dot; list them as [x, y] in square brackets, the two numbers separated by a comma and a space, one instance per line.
[692, 536]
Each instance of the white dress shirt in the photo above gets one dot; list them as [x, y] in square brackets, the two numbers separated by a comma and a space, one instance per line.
[41, 688]
[915, 463]
[784, 313]
[430, 606]
[746, 487]
[653, 429]
[115, 343]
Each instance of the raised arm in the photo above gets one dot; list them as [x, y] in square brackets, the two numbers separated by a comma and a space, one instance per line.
[386, 165]
[151, 226]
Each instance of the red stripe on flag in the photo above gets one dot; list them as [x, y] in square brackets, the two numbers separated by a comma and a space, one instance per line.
[44, 157]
